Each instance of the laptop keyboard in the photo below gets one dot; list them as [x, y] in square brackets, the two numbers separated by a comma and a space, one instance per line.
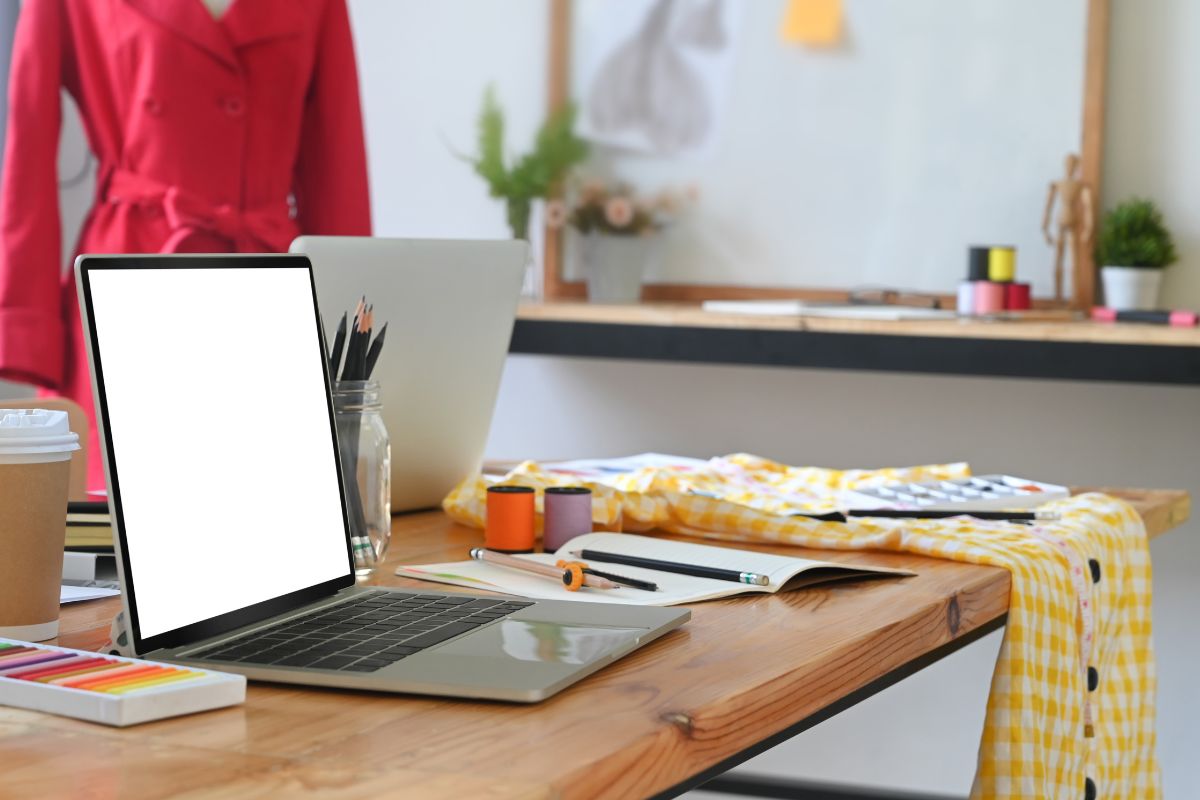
[365, 634]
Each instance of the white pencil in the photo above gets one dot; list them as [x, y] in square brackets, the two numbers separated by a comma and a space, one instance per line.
[558, 573]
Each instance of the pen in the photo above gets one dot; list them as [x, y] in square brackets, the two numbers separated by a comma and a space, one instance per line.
[568, 576]
[696, 570]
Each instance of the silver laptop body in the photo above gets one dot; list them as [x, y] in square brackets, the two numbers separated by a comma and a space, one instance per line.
[449, 306]
[232, 541]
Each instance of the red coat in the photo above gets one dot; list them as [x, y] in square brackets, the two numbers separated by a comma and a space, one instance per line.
[210, 136]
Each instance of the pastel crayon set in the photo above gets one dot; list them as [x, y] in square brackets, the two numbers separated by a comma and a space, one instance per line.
[111, 690]
[978, 493]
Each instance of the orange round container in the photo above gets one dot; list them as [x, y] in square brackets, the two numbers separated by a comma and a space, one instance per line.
[510, 519]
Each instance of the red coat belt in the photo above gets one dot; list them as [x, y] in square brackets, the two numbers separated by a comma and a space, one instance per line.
[267, 228]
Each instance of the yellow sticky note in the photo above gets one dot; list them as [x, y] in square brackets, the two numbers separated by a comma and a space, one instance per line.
[812, 22]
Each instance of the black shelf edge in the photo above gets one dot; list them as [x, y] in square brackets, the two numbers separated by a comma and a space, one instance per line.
[938, 355]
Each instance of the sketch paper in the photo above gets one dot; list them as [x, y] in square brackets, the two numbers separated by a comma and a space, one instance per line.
[655, 73]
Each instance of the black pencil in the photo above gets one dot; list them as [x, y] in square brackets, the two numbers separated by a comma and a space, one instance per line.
[339, 341]
[900, 513]
[635, 583]
[696, 570]
[373, 353]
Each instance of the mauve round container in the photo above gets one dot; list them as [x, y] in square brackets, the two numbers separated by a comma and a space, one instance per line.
[568, 513]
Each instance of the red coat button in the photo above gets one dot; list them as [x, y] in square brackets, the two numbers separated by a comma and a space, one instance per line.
[234, 106]
[153, 106]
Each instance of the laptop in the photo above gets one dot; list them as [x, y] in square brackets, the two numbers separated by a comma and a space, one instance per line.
[232, 539]
[449, 306]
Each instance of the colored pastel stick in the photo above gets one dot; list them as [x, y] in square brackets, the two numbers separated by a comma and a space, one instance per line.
[66, 676]
[29, 673]
[130, 677]
[131, 680]
[26, 659]
[152, 682]
[127, 670]
[15, 651]
[94, 673]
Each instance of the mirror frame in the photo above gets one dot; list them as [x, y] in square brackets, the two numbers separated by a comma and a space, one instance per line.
[1091, 151]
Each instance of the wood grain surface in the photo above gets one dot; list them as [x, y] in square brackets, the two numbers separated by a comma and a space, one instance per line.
[740, 671]
[691, 315]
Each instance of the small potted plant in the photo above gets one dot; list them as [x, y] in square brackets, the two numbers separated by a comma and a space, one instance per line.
[1134, 246]
[520, 181]
[618, 229]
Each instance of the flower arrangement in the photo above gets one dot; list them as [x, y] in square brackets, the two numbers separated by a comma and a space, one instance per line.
[617, 210]
[531, 176]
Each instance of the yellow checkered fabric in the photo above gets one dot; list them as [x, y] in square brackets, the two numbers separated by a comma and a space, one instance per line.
[1033, 744]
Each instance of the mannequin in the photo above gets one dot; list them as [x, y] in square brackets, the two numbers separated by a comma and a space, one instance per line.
[218, 7]
[228, 136]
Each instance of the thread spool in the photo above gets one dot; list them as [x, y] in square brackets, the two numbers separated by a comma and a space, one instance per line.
[989, 297]
[1002, 264]
[510, 515]
[567, 514]
[966, 298]
[1018, 297]
[977, 263]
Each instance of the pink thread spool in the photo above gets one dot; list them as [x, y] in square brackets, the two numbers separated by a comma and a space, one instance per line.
[989, 297]
[568, 513]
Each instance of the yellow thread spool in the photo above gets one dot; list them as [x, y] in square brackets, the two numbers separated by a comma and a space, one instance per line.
[1002, 264]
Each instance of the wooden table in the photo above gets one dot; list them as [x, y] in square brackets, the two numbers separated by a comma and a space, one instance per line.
[743, 675]
[1057, 349]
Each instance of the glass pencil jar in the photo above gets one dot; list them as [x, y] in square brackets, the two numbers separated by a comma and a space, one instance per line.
[366, 461]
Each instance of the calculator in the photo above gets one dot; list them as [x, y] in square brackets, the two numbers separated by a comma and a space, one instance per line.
[978, 493]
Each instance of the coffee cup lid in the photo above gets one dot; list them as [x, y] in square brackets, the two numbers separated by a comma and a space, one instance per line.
[35, 434]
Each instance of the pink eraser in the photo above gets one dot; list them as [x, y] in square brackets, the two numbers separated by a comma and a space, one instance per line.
[1183, 319]
[1102, 314]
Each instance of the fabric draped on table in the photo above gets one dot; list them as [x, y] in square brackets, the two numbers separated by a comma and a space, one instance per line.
[1034, 742]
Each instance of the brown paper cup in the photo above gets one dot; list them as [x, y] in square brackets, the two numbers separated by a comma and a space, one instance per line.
[33, 530]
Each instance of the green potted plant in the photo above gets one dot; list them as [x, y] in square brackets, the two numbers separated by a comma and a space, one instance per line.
[618, 228]
[520, 181]
[1133, 247]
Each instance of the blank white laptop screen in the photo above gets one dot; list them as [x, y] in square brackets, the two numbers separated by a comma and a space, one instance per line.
[221, 437]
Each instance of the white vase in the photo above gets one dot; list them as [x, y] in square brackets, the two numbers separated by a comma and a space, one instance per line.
[1131, 288]
[532, 285]
[614, 265]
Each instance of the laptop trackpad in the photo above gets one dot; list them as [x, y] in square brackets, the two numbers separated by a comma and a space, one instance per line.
[547, 642]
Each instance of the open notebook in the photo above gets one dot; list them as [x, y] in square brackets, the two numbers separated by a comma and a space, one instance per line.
[784, 572]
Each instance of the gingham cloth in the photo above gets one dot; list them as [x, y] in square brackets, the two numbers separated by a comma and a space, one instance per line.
[1034, 743]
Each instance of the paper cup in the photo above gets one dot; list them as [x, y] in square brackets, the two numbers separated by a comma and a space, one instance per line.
[35, 467]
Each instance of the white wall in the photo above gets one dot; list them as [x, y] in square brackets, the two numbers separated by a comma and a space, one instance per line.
[1154, 123]
[424, 67]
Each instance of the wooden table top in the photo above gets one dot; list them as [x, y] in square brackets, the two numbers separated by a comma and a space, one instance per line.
[742, 670]
[1054, 349]
[1044, 328]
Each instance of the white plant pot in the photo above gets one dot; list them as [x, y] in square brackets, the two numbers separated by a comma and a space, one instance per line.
[614, 265]
[1131, 288]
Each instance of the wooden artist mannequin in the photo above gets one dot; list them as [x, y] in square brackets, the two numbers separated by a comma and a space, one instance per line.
[1074, 219]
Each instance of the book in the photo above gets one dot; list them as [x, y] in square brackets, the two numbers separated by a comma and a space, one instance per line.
[800, 308]
[89, 536]
[785, 572]
[89, 525]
